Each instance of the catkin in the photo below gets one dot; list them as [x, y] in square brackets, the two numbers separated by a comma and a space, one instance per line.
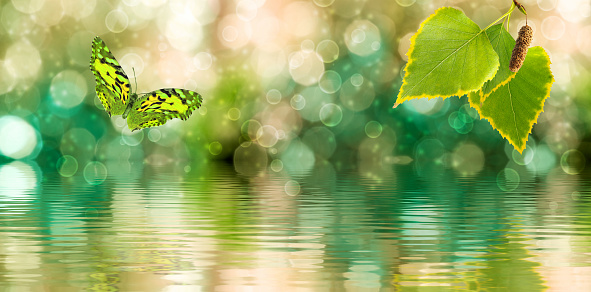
[523, 41]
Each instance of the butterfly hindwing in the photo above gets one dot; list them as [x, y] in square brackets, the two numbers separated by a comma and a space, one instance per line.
[150, 110]
[112, 84]
[157, 107]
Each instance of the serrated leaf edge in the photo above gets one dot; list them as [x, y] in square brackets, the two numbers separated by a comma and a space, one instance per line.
[534, 120]
[484, 96]
[411, 49]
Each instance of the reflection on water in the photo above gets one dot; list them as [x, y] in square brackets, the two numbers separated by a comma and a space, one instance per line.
[204, 227]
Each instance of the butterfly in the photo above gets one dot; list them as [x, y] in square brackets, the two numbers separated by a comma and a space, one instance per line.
[149, 110]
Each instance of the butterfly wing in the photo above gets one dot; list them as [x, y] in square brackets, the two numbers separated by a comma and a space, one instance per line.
[157, 107]
[112, 84]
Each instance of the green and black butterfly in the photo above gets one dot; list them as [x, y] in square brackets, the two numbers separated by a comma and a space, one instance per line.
[149, 110]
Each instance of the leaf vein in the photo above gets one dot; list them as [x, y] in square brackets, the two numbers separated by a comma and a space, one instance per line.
[513, 110]
[455, 20]
[448, 28]
[442, 39]
[438, 50]
[456, 51]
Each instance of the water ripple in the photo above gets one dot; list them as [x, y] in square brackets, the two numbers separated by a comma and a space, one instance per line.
[213, 229]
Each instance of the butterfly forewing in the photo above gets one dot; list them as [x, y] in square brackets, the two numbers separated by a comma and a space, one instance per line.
[112, 84]
[157, 107]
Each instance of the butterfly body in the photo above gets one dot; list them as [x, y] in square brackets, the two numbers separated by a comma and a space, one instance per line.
[148, 110]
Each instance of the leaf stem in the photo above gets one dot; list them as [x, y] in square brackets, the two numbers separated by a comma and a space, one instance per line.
[509, 17]
[508, 14]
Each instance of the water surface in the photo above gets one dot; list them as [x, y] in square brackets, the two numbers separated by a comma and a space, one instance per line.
[205, 227]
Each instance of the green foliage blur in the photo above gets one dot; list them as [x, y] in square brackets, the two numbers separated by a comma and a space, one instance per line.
[286, 85]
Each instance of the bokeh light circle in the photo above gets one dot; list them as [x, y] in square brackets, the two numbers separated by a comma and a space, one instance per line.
[328, 51]
[68, 89]
[292, 188]
[230, 33]
[215, 148]
[250, 128]
[298, 158]
[307, 46]
[315, 98]
[362, 38]
[525, 157]
[573, 161]
[18, 139]
[250, 159]
[330, 82]
[544, 159]
[277, 165]
[134, 61]
[131, 138]
[7, 79]
[298, 102]
[461, 122]
[50, 14]
[405, 3]
[301, 17]
[305, 67]
[267, 136]
[331, 114]
[234, 114]
[116, 21]
[233, 32]
[183, 31]
[358, 35]
[468, 159]
[246, 10]
[28, 6]
[357, 79]
[508, 179]
[274, 96]
[78, 9]
[357, 95]
[424, 106]
[22, 60]
[67, 166]
[553, 27]
[154, 135]
[323, 3]
[95, 173]
[547, 5]
[583, 40]
[203, 60]
[574, 11]
[373, 129]
[204, 12]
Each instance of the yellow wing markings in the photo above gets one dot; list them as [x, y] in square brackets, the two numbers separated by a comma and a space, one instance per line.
[108, 72]
[150, 110]
[111, 78]
[165, 101]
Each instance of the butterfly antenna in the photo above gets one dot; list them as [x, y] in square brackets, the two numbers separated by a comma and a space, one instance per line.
[132, 68]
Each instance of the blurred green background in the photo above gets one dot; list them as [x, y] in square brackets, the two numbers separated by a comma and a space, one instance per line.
[286, 85]
[393, 199]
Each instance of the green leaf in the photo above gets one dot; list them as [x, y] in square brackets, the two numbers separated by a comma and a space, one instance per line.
[503, 43]
[514, 108]
[449, 55]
